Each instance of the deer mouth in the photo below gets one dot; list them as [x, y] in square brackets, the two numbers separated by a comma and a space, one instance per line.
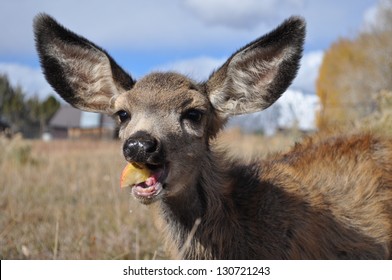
[149, 191]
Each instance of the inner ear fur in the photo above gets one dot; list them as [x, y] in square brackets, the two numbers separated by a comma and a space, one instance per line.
[254, 77]
[82, 73]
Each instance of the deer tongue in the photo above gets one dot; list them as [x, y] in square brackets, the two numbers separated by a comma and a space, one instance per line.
[154, 178]
[149, 187]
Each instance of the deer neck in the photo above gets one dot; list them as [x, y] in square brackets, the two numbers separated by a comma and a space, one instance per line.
[202, 202]
[202, 195]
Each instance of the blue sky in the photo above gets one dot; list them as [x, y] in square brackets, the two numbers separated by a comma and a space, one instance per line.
[189, 36]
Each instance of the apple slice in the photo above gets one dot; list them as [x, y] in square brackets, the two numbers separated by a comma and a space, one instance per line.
[133, 174]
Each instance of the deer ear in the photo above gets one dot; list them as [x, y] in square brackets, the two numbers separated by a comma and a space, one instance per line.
[254, 77]
[81, 72]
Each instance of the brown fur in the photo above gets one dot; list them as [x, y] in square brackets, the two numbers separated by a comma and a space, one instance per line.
[285, 208]
[328, 198]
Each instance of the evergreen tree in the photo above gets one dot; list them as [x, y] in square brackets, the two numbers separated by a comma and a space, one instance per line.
[23, 114]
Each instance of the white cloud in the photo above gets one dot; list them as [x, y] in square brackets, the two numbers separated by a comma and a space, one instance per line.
[242, 14]
[370, 17]
[198, 68]
[154, 25]
[31, 80]
[144, 26]
[373, 16]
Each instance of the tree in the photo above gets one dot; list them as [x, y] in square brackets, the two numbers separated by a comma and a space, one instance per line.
[32, 115]
[40, 113]
[12, 106]
[354, 72]
[6, 93]
[345, 82]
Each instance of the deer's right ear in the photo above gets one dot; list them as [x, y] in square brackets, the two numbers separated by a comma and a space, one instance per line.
[256, 76]
[81, 72]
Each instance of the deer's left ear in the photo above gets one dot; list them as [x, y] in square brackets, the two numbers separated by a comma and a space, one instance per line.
[80, 71]
[256, 76]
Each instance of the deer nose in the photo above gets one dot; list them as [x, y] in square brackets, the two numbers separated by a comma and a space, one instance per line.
[141, 147]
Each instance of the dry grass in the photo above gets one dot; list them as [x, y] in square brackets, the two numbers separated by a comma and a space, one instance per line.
[61, 200]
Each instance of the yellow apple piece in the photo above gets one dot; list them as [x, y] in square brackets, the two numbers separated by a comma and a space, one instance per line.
[133, 174]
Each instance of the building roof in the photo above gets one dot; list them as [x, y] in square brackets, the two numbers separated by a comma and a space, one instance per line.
[66, 116]
[70, 117]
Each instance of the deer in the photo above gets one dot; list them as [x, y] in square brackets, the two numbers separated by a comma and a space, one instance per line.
[329, 197]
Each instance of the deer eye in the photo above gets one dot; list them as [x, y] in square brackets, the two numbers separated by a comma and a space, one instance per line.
[123, 116]
[193, 115]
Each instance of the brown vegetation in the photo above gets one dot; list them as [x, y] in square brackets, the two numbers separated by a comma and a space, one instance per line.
[62, 200]
[354, 73]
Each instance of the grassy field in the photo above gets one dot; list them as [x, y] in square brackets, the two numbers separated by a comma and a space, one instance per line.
[61, 200]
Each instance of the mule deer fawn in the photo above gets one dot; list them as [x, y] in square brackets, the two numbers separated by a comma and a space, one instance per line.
[328, 198]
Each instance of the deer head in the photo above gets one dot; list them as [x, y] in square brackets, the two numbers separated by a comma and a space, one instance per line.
[166, 119]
